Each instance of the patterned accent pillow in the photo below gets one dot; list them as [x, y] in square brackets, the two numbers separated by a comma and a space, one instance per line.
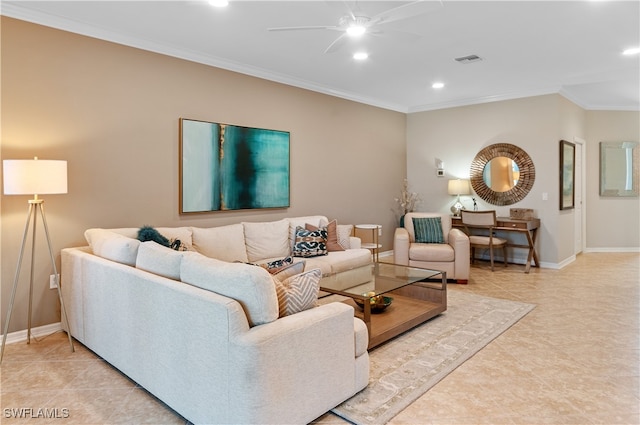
[298, 293]
[276, 265]
[428, 229]
[310, 243]
[332, 235]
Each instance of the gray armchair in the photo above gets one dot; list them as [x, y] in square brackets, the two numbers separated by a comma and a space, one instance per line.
[438, 245]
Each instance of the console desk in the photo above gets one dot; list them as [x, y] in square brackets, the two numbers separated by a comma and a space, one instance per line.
[528, 227]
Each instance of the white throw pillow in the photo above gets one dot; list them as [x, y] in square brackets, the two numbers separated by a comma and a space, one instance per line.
[267, 240]
[298, 293]
[113, 246]
[224, 243]
[160, 260]
[344, 233]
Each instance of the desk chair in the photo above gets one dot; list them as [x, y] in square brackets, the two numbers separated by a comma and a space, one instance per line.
[483, 220]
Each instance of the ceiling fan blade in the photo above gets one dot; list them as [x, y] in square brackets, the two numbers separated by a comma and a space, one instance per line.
[337, 43]
[317, 27]
[351, 12]
[409, 10]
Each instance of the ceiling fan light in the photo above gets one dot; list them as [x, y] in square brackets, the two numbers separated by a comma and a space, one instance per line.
[360, 56]
[356, 30]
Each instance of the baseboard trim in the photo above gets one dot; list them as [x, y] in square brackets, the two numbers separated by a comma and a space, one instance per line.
[39, 332]
[621, 249]
[385, 254]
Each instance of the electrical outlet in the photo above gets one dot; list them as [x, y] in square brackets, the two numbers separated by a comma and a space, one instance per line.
[52, 281]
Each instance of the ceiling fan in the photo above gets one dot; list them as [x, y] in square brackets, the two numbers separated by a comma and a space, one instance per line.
[356, 23]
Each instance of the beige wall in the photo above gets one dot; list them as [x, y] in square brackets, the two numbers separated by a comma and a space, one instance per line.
[536, 124]
[112, 112]
[614, 223]
[456, 135]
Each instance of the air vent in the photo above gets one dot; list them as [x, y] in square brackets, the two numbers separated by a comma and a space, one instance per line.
[469, 59]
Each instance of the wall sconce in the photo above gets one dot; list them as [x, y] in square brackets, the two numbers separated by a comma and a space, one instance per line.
[439, 168]
[458, 187]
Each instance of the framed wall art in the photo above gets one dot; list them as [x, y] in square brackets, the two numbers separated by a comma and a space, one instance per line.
[567, 175]
[230, 167]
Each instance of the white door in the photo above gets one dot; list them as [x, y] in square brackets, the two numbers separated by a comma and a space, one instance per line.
[579, 189]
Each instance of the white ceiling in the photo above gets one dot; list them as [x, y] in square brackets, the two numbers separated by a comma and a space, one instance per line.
[528, 47]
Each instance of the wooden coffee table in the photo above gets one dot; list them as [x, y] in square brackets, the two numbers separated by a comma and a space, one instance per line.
[418, 295]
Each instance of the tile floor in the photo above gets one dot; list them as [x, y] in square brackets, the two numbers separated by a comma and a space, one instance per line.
[573, 360]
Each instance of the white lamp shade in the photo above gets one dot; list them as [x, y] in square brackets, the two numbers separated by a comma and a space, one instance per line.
[34, 176]
[459, 187]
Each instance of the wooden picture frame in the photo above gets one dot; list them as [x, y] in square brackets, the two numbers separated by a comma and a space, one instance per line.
[567, 175]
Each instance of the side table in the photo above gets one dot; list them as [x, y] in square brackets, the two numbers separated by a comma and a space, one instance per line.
[375, 244]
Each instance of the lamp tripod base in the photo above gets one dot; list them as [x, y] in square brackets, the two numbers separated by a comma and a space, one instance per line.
[35, 205]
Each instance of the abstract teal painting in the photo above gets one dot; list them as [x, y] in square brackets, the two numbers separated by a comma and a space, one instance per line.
[229, 167]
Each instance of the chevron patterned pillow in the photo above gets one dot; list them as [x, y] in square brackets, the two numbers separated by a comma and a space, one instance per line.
[299, 292]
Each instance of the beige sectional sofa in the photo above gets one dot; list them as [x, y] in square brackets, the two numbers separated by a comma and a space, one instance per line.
[200, 329]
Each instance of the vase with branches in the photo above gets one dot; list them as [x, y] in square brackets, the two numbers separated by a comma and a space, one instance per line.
[407, 201]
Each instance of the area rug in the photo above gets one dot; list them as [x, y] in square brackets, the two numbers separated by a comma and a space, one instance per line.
[406, 367]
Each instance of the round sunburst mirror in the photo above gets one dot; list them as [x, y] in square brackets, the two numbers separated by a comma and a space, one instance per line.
[502, 174]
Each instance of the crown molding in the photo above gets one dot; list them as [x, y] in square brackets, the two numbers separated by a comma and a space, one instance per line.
[30, 14]
[16, 11]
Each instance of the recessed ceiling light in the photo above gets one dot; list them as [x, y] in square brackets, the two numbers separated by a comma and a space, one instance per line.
[632, 51]
[437, 85]
[360, 56]
[219, 3]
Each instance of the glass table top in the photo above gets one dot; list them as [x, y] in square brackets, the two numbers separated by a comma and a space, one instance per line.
[374, 279]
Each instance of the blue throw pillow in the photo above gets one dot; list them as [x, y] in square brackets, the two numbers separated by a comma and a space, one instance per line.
[428, 229]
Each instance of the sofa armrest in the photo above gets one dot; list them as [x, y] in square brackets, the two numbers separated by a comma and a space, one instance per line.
[355, 242]
[291, 355]
[459, 241]
[401, 246]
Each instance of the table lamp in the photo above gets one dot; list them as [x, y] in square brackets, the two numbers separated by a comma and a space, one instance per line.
[34, 177]
[458, 187]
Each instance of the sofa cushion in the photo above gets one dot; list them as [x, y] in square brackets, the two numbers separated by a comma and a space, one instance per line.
[298, 293]
[267, 240]
[224, 243]
[431, 252]
[113, 246]
[310, 243]
[251, 286]
[160, 260]
[332, 235]
[428, 229]
[340, 261]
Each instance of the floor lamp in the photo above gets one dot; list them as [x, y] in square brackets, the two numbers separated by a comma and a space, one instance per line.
[34, 177]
